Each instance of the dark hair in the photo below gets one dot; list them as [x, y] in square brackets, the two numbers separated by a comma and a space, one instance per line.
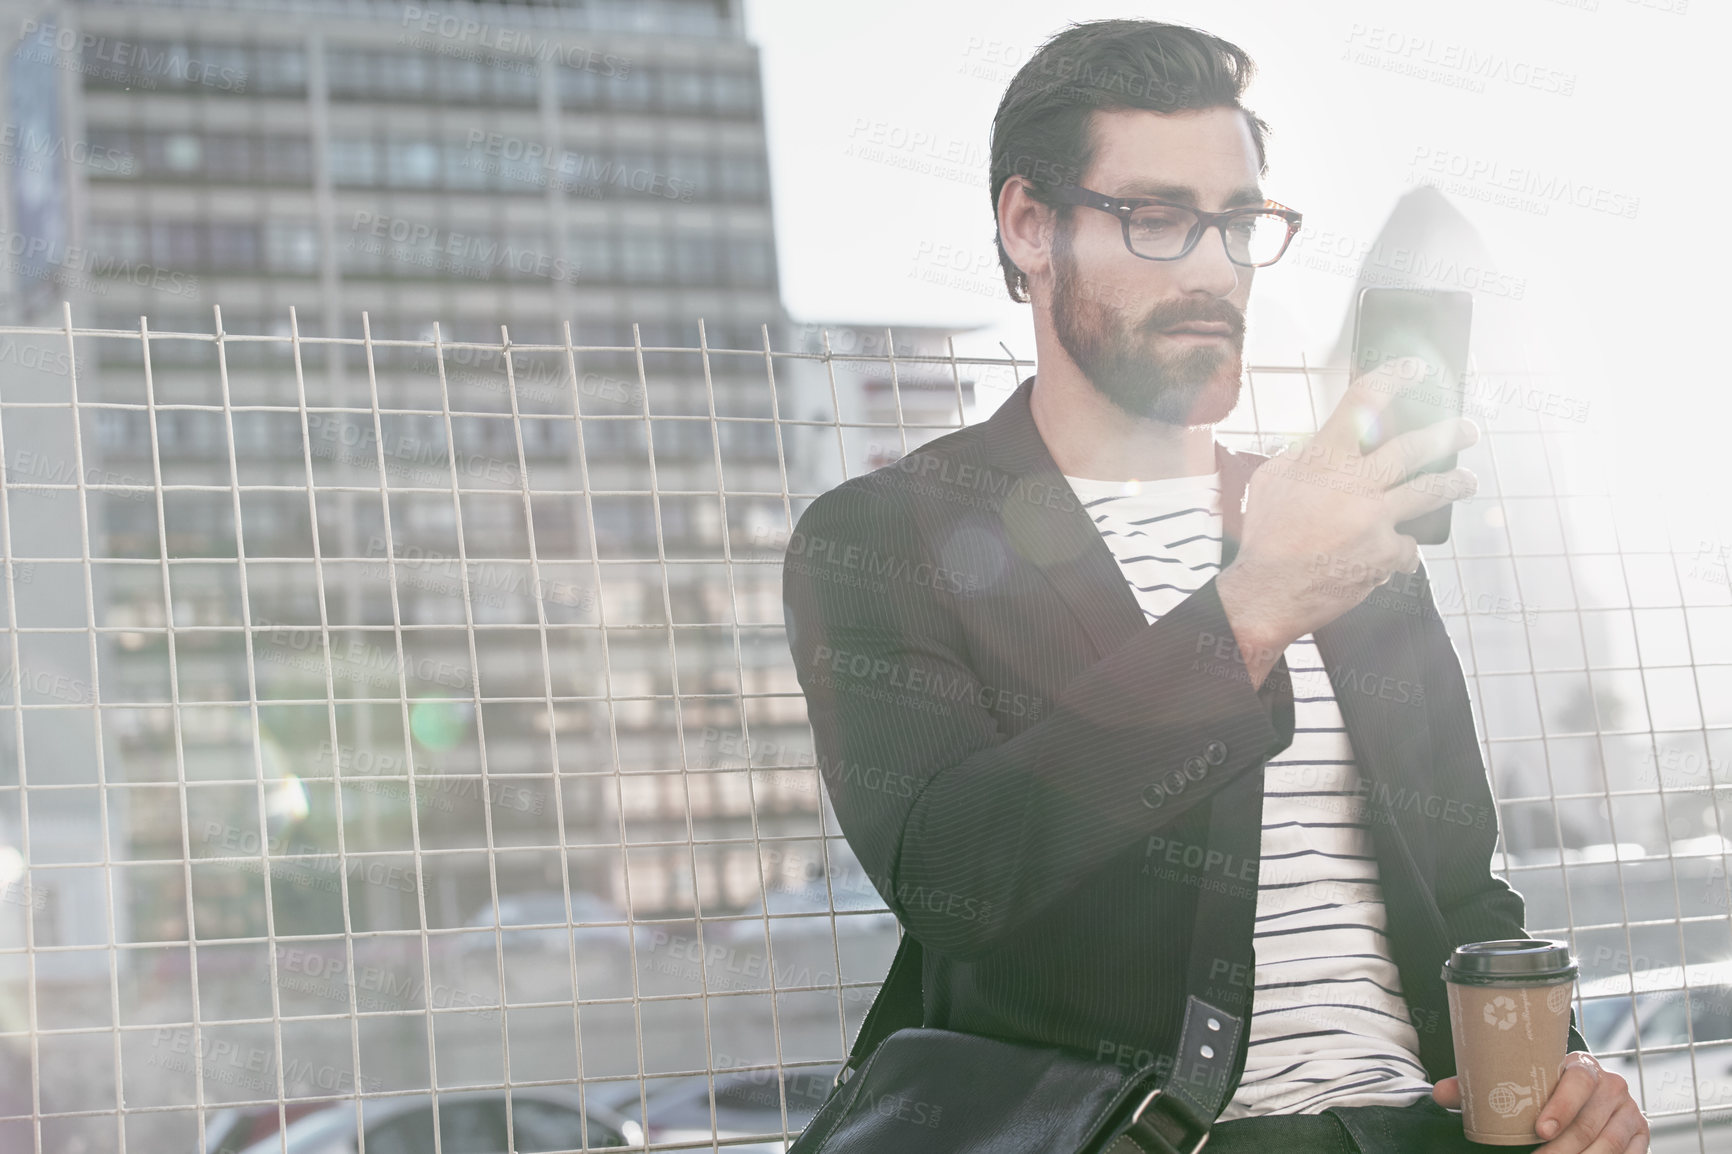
[1041, 130]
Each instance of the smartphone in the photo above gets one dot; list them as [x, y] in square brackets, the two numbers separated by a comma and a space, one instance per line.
[1390, 324]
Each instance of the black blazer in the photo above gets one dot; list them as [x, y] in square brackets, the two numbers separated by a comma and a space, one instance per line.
[1014, 753]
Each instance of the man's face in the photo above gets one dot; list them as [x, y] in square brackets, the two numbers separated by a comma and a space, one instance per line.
[1138, 329]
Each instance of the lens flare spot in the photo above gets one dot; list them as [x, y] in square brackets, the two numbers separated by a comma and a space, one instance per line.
[440, 725]
[288, 801]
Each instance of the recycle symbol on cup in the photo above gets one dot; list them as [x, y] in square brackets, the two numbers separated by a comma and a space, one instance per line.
[1510, 1098]
[1501, 1012]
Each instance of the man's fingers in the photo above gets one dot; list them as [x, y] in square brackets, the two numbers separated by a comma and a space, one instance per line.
[1405, 559]
[1404, 455]
[1588, 1128]
[1576, 1084]
[1639, 1144]
[1624, 1131]
[1367, 395]
[1611, 1131]
[1429, 491]
[1411, 563]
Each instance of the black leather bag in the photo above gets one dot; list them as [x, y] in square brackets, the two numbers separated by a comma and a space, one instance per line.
[908, 1089]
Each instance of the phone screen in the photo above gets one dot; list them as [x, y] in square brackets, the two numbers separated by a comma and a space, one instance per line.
[1433, 327]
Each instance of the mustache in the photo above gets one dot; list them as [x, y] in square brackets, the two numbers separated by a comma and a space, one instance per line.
[1169, 313]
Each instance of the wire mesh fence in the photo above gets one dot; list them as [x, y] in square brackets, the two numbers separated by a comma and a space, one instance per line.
[404, 749]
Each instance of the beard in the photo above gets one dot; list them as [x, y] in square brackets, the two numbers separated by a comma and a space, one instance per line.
[1125, 363]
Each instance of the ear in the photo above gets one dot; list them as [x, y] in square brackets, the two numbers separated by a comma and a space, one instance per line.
[1025, 228]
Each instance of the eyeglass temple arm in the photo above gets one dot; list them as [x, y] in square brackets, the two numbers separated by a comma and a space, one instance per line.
[1076, 194]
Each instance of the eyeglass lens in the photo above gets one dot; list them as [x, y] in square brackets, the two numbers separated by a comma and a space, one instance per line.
[1162, 233]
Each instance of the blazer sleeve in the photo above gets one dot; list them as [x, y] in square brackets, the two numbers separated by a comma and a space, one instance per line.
[966, 831]
[1476, 904]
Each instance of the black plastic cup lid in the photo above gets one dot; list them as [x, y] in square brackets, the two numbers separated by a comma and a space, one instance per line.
[1512, 960]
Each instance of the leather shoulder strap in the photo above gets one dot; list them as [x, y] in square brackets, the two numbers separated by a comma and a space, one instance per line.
[898, 1004]
[1207, 1044]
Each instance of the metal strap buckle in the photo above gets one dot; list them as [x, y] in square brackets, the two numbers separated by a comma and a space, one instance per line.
[1148, 1100]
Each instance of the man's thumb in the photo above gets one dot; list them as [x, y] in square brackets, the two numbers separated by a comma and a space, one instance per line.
[1448, 1093]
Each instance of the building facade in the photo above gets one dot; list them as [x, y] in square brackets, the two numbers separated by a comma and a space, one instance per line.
[545, 626]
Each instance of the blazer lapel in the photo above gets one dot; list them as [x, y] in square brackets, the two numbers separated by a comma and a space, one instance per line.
[1367, 651]
[1046, 524]
[1374, 672]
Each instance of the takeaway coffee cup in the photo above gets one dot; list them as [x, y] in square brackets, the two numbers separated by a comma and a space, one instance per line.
[1509, 1007]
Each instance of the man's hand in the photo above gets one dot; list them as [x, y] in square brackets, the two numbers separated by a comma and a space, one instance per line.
[1319, 532]
[1590, 1110]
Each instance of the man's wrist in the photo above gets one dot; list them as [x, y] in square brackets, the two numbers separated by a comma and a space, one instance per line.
[1260, 644]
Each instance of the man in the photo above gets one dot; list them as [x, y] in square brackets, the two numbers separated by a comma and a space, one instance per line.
[1061, 682]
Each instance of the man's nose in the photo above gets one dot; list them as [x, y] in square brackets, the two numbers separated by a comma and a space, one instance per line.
[1206, 267]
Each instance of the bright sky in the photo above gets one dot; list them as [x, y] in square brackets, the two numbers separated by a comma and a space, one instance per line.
[879, 113]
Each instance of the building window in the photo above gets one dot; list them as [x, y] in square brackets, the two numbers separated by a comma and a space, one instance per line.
[527, 256]
[633, 91]
[112, 156]
[635, 173]
[178, 152]
[349, 71]
[291, 247]
[234, 246]
[223, 67]
[288, 160]
[412, 164]
[117, 240]
[689, 173]
[218, 157]
[514, 81]
[522, 173]
[695, 260]
[402, 75]
[462, 81]
[279, 70]
[228, 158]
[684, 89]
[465, 166]
[353, 163]
[580, 88]
[175, 245]
[736, 93]
[742, 177]
[593, 254]
[643, 257]
[751, 263]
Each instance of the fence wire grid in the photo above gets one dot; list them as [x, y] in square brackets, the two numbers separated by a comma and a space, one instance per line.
[404, 739]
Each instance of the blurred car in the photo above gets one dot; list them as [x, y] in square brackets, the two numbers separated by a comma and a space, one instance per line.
[470, 1122]
[849, 894]
[547, 908]
[1647, 1010]
[810, 943]
[748, 1103]
[232, 1129]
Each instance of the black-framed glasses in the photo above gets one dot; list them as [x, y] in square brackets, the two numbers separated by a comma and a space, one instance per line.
[1158, 230]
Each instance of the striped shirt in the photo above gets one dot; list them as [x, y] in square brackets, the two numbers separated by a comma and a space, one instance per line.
[1329, 1024]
